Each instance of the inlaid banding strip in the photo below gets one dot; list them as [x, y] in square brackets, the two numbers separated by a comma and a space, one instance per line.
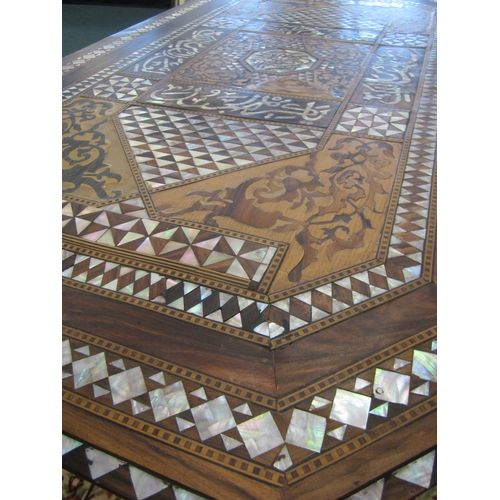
[174, 369]
[280, 404]
[176, 441]
[359, 442]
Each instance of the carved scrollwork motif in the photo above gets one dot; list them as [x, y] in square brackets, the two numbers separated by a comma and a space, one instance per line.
[84, 148]
[338, 202]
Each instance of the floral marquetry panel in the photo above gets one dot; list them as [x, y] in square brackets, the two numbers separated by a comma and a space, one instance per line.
[248, 261]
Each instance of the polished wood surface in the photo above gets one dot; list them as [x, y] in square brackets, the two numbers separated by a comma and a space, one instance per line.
[249, 233]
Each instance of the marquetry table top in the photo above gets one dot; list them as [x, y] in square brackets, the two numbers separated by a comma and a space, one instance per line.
[249, 227]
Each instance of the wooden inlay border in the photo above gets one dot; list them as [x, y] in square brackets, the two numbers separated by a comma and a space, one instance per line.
[152, 263]
[98, 204]
[168, 311]
[246, 467]
[430, 242]
[279, 404]
[359, 442]
[352, 311]
[174, 369]
[332, 380]
[170, 438]
[387, 476]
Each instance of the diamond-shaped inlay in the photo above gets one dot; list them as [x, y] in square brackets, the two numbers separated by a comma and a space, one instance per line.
[391, 386]
[280, 60]
[213, 418]
[88, 370]
[127, 385]
[306, 430]
[350, 408]
[260, 434]
[168, 401]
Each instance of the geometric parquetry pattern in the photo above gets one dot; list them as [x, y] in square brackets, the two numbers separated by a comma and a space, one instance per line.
[81, 86]
[268, 320]
[406, 247]
[172, 146]
[323, 17]
[111, 276]
[418, 473]
[405, 40]
[122, 88]
[374, 122]
[133, 231]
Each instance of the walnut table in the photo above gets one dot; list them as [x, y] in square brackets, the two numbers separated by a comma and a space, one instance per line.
[249, 226]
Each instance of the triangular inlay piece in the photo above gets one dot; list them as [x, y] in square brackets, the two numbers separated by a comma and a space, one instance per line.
[381, 410]
[338, 433]
[99, 391]
[318, 402]
[101, 463]
[399, 363]
[200, 393]
[84, 350]
[216, 316]
[373, 492]
[159, 377]
[361, 384]
[208, 244]
[145, 485]
[177, 304]
[138, 407]
[69, 444]
[236, 269]
[284, 461]
[422, 390]
[230, 443]
[418, 472]
[244, 408]
[181, 494]
[118, 364]
[183, 424]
